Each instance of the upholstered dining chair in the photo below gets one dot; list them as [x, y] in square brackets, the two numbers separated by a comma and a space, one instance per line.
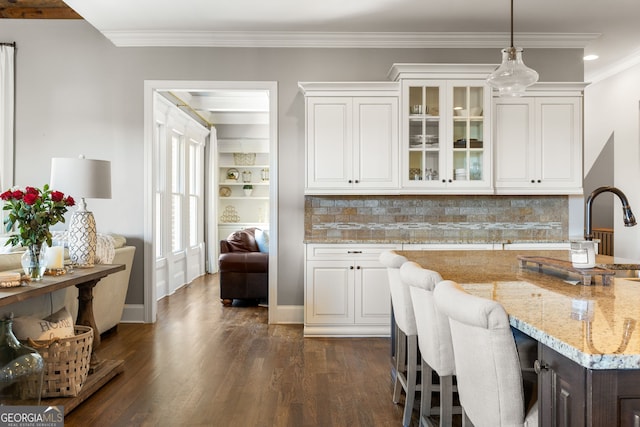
[434, 341]
[486, 360]
[406, 335]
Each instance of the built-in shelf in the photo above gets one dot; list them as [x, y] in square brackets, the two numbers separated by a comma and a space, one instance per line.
[244, 183]
[233, 203]
[245, 197]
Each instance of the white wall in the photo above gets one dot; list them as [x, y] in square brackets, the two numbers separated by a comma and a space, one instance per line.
[77, 93]
[612, 107]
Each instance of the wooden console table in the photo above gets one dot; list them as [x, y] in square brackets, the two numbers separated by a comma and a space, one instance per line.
[85, 279]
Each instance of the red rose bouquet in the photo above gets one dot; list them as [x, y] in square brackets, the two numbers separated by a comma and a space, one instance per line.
[32, 212]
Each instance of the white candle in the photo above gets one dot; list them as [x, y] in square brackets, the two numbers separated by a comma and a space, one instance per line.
[55, 257]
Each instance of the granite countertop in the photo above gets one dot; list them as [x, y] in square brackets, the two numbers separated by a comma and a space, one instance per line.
[595, 326]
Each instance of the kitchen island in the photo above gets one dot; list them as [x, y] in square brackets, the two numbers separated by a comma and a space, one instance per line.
[589, 349]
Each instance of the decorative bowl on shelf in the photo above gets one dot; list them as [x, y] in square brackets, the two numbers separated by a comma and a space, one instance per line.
[233, 174]
[224, 192]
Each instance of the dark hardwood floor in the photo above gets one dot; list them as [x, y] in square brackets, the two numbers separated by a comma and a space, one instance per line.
[203, 364]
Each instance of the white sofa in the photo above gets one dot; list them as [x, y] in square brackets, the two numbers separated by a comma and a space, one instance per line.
[108, 295]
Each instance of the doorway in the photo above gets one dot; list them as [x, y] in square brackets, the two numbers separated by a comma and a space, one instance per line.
[234, 92]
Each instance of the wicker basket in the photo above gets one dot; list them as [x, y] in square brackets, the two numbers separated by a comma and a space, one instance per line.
[244, 159]
[66, 364]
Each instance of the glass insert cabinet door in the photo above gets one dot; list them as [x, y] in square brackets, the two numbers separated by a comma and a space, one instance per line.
[446, 132]
[425, 132]
[468, 133]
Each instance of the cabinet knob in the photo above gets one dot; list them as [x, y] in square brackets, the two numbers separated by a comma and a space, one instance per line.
[357, 181]
[358, 267]
[533, 181]
[350, 182]
[450, 180]
[539, 181]
[351, 267]
[539, 366]
[444, 180]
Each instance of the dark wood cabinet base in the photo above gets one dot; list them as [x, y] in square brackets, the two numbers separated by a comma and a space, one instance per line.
[571, 395]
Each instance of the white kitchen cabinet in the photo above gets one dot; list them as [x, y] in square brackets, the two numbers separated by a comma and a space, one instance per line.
[346, 291]
[445, 132]
[445, 140]
[538, 142]
[451, 246]
[351, 137]
[535, 246]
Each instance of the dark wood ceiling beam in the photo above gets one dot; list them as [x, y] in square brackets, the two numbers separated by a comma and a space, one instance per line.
[36, 9]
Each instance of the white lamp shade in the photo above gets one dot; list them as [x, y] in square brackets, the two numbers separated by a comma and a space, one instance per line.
[81, 178]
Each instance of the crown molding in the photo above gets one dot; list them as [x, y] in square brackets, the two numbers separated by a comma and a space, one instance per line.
[439, 71]
[348, 88]
[293, 39]
[614, 68]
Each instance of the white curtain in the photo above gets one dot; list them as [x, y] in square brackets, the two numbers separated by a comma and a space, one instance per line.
[7, 96]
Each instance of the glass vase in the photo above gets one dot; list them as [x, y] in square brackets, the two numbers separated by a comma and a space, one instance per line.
[34, 262]
[21, 368]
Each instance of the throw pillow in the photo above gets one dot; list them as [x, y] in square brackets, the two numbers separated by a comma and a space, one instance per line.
[58, 325]
[105, 249]
[262, 239]
[119, 241]
[243, 241]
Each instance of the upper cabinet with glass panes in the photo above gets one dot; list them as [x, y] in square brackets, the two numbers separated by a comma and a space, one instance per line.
[445, 128]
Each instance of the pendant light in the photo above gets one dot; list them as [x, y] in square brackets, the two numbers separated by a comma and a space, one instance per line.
[512, 77]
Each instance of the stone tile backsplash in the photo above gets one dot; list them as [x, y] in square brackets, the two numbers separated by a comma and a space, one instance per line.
[436, 219]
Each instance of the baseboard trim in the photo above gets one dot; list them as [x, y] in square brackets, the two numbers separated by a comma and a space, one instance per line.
[133, 313]
[284, 314]
[287, 314]
[335, 331]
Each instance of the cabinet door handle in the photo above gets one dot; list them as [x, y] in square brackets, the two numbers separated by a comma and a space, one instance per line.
[539, 366]
[539, 181]
[354, 252]
[533, 181]
[351, 267]
[357, 181]
[350, 182]
[358, 267]
[444, 180]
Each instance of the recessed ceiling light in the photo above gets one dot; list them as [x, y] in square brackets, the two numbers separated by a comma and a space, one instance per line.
[590, 57]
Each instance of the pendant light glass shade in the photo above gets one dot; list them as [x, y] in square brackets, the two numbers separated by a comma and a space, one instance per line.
[512, 77]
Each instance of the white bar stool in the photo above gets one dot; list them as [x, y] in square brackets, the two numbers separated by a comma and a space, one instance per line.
[406, 335]
[486, 359]
[434, 340]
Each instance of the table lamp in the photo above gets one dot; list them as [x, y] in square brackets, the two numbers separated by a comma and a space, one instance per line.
[82, 179]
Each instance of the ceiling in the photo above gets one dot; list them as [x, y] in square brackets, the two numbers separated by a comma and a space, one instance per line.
[229, 106]
[608, 28]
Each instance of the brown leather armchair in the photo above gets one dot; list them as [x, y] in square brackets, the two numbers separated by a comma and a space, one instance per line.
[244, 270]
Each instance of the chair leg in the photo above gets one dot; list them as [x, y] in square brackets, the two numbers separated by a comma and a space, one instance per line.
[412, 374]
[401, 346]
[446, 401]
[426, 394]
